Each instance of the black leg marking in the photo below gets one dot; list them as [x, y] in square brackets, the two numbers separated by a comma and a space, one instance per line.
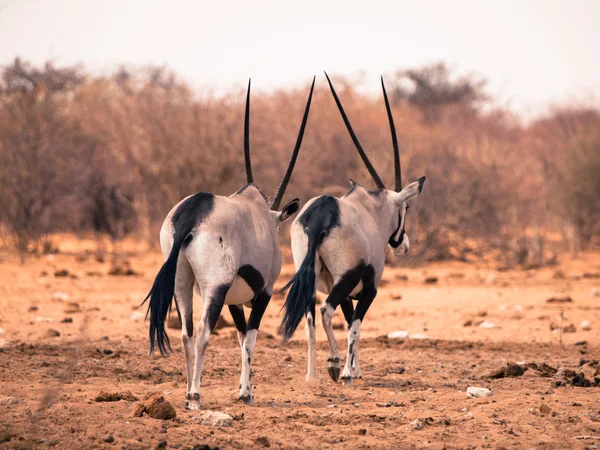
[253, 277]
[216, 305]
[348, 310]
[189, 321]
[258, 309]
[237, 314]
[367, 295]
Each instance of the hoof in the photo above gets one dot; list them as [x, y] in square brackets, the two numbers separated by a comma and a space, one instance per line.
[247, 399]
[334, 373]
[347, 381]
[192, 402]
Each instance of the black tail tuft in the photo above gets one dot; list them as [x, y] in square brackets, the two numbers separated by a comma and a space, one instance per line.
[161, 296]
[302, 293]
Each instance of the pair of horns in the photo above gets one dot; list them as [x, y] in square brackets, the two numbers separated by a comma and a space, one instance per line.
[288, 173]
[361, 152]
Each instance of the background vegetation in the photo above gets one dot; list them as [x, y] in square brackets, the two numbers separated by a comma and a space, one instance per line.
[112, 154]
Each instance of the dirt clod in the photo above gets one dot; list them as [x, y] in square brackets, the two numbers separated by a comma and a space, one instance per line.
[545, 409]
[52, 333]
[157, 408]
[115, 397]
[566, 299]
[510, 370]
[263, 441]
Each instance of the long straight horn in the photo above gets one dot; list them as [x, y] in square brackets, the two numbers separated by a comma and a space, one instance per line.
[397, 168]
[361, 152]
[290, 168]
[249, 177]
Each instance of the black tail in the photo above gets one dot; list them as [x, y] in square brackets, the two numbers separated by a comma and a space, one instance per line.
[161, 296]
[302, 294]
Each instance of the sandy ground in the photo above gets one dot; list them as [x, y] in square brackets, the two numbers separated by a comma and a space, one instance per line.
[48, 383]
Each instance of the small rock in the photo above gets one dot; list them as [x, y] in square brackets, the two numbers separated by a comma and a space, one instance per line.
[401, 277]
[109, 439]
[33, 308]
[477, 392]
[40, 319]
[569, 329]
[215, 419]
[52, 333]
[123, 270]
[545, 409]
[263, 441]
[431, 280]
[362, 431]
[486, 324]
[416, 425]
[161, 445]
[418, 336]
[396, 296]
[61, 273]
[137, 315]
[398, 335]
[1, 330]
[60, 296]
[468, 323]
[585, 325]
[72, 308]
[67, 320]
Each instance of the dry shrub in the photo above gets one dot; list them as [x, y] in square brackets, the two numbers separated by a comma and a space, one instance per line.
[113, 154]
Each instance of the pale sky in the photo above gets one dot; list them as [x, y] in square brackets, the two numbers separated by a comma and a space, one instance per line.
[533, 52]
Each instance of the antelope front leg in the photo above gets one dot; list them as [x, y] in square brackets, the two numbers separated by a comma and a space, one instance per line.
[333, 362]
[258, 309]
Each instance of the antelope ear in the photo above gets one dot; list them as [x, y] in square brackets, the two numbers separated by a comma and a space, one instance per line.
[410, 191]
[289, 210]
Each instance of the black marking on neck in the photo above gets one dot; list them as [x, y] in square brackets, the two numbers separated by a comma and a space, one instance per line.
[252, 277]
[190, 213]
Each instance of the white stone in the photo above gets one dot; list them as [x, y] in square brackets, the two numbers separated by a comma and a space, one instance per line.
[215, 419]
[486, 324]
[416, 424]
[586, 325]
[418, 336]
[60, 296]
[478, 392]
[137, 315]
[398, 335]
[44, 319]
[1, 330]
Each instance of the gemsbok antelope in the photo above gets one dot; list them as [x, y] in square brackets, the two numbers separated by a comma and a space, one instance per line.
[226, 248]
[338, 245]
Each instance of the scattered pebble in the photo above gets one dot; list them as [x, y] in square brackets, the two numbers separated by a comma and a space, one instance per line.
[486, 324]
[416, 425]
[431, 280]
[263, 441]
[585, 325]
[477, 392]
[109, 439]
[61, 273]
[60, 296]
[545, 409]
[33, 308]
[569, 329]
[72, 308]
[52, 333]
[67, 320]
[2, 330]
[41, 319]
[398, 335]
[137, 315]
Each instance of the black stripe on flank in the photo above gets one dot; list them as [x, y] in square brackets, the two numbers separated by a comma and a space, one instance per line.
[253, 277]
[191, 213]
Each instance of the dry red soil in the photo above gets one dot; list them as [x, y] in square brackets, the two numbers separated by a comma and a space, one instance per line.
[48, 383]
